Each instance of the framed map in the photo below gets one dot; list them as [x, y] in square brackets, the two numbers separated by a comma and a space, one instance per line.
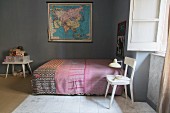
[70, 22]
[121, 31]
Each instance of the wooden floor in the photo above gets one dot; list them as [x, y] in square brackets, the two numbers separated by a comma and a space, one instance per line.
[13, 90]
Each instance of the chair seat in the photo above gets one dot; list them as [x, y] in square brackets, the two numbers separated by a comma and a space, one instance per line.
[118, 80]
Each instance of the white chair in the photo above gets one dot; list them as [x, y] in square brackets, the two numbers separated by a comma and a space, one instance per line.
[115, 80]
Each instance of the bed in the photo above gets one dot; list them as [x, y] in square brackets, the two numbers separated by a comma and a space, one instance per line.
[73, 76]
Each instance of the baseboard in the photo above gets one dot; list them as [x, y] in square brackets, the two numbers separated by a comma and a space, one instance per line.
[2, 74]
[5, 74]
[151, 104]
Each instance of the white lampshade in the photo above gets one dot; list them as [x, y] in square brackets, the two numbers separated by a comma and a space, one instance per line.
[114, 64]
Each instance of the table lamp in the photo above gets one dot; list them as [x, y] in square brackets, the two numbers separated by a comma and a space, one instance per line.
[114, 64]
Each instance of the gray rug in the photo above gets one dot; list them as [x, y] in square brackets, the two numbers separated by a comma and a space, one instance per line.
[79, 104]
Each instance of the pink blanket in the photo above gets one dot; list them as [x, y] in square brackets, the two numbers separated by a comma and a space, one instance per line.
[83, 76]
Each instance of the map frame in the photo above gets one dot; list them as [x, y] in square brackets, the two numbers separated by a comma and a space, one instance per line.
[52, 38]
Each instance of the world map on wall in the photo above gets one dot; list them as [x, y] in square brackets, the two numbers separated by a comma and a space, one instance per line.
[70, 22]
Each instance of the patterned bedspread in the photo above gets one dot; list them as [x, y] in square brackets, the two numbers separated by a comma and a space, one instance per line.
[73, 76]
[43, 78]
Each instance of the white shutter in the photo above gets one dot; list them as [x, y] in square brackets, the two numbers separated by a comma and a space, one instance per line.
[146, 20]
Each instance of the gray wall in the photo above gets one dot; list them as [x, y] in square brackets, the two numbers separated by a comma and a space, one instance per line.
[141, 76]
[120, 14]
[25, 22]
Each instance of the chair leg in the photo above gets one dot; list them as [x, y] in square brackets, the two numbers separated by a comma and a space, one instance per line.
[125, 91]
[107, 89]
[113, 94]
[131, 93]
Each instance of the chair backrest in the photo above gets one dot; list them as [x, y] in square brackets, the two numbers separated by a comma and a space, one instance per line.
[132, 63]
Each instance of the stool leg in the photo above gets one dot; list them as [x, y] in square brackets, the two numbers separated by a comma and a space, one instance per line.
[113, 94]
[7, 70]
[107, 89]
[29, 68]
[13, 69]
[23, 68]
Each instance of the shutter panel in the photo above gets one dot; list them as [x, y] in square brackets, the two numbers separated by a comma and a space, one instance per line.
[146, 24]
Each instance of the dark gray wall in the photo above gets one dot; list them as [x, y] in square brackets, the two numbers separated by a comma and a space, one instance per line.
[120, 14]
[25, 22]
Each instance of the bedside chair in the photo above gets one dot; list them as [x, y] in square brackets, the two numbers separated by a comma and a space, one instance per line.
[115, 80]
